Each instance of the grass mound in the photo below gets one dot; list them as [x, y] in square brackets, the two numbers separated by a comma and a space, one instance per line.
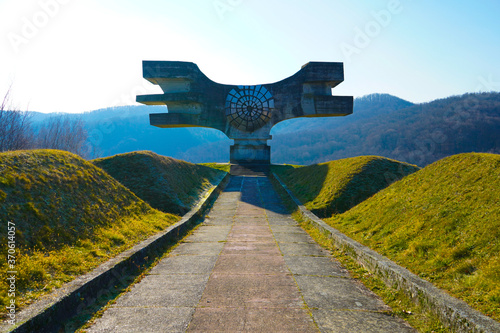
[226, 167]
[69, 216]
[165, 183]
[442, 223]
[335, 187]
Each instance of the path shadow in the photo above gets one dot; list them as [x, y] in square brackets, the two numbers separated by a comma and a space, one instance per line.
[257, 191]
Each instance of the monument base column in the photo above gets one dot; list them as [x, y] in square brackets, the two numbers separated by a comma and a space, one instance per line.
[248, 151]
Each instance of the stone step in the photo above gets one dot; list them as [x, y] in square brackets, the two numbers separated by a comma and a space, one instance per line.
[250, 169]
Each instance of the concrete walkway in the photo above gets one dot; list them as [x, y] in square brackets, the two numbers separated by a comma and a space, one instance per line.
[249, 268]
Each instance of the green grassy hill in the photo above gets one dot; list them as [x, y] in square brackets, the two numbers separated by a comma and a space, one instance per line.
[69, 216]
[442, 223]
[165, 183]
[336, 186]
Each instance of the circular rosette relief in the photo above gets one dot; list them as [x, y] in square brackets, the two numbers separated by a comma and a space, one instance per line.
[248, 108]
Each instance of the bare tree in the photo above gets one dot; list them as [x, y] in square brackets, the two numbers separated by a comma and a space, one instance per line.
[63, 132]
[15, 126]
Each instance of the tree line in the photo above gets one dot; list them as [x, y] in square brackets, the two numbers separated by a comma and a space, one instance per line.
[419, 134]
[17, 132]
[381, 125]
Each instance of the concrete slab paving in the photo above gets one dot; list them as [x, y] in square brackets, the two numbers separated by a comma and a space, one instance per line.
[247, 264]
[320, 266]
[251, 290]
[252, 320]
[325, 292]
[213, 229]
[249, 268]
[251, 221]
[199, 264]
[251, 237]
[286, 228]
[143, 320]
[207, 237]
[158, 290]
[275, 212]
[218, 221]
[250, 248]
[250, 229]
[359, 321]
[192, 248]
[302, 249]
[293, 237]
[242, 229]
[282, 221]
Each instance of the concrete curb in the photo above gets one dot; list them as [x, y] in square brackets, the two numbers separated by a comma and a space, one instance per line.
[453, 312]
[75, 296]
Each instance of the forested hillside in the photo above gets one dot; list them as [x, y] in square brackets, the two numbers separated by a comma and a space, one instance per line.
[381, 125]
[126, 129]
[418, 134]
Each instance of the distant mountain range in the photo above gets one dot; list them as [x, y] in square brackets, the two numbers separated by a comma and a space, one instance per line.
[381, 124]
[387, 126]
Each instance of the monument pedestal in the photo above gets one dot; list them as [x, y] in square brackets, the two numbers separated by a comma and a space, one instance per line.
[250, 151]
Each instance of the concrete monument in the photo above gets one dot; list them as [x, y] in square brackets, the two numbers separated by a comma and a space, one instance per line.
[245, 114]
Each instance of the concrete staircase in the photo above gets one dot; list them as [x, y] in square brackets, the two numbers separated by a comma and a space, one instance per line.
[250, 169]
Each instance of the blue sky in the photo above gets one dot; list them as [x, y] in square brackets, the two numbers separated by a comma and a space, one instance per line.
[81, 55]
